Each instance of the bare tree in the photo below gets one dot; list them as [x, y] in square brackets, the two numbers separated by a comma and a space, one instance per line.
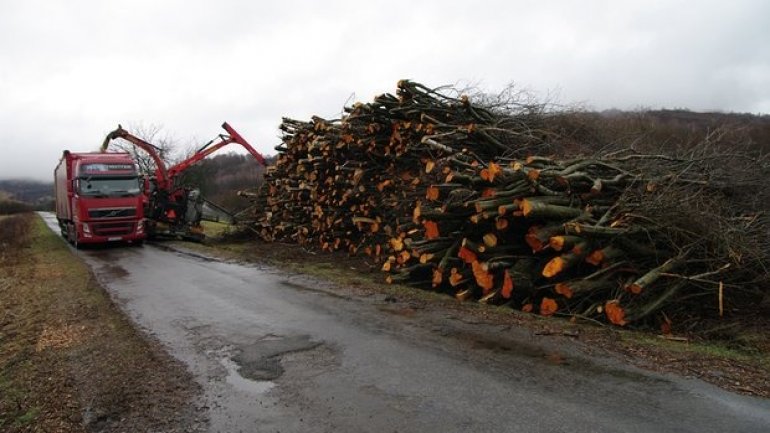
[154, 135]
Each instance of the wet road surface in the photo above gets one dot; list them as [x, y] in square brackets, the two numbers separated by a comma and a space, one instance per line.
[281, 353]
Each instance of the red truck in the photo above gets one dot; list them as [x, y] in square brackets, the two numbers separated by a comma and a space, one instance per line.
[99, 198]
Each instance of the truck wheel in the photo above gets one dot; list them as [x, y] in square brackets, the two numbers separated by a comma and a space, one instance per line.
[71, 234]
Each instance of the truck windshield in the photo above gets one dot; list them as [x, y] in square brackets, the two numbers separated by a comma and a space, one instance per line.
[109, 187]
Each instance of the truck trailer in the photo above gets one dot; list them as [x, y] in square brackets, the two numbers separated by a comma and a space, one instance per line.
[99, 198]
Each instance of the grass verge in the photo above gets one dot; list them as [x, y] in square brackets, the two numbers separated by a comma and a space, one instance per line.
[69, 360]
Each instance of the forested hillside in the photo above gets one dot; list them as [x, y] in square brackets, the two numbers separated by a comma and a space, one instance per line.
[221, 177]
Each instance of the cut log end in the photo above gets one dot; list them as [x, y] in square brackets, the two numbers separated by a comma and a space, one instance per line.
[548, 307]
[564, 290]
[467, 255]
[432, 193]
[438, 277]
[554, 267]
[507, 289]
[431, 229]
[615, 313]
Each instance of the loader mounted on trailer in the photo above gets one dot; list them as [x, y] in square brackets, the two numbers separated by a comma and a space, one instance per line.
[171, 209]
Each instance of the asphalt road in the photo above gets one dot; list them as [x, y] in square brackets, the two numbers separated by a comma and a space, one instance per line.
[282, 353]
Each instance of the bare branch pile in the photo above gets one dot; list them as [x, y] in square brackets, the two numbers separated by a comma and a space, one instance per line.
[445, 194]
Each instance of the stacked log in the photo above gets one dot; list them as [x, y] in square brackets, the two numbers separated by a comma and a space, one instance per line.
[447, 195]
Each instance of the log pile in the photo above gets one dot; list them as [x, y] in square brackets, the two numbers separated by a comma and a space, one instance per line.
[448, 195]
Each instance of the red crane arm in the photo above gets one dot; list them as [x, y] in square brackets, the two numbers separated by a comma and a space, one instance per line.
[236, 137]
[160, 173]
[205, 151]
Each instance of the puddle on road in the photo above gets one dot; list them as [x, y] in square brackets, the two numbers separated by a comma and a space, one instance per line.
[239, 382]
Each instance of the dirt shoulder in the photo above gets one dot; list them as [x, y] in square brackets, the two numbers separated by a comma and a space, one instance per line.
[69, 360]
[739, 360]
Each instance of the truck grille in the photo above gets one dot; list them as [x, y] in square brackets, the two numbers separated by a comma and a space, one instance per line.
[122, 212]
[112, 229]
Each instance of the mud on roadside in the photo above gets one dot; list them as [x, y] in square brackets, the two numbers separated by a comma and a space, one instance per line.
[69, 360]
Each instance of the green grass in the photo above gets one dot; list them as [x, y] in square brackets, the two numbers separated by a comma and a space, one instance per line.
[737, 350]
[27, 417]
[215, 229]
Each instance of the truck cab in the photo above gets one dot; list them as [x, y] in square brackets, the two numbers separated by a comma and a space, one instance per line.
[99, 198]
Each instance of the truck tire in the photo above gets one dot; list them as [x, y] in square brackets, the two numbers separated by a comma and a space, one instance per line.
[71, 234]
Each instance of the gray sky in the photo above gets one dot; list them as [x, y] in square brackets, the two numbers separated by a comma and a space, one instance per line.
[70, 71]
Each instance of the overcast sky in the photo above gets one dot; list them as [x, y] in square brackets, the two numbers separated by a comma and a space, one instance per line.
[70, 71]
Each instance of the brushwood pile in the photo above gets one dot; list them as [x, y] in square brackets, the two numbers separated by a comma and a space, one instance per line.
[473, 198]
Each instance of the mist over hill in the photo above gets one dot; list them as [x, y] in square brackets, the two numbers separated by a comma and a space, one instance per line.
[27, 191]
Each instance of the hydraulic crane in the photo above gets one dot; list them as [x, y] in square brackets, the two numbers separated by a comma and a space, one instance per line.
[172, 209]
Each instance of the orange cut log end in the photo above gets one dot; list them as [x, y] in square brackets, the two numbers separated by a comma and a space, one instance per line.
[526, 207]
[554, 267]
[490, 172]
[634, 288]
[615, 313]
[494, 170]
[416, 213]
[501, 224]
[433, 193]
[431, 229]
[490, 240]
[557, 242]
[384, 184]
[467, 255]
[548, 307]
[564, 290]
[438, 277]
[429, 166]
[595, 258]
[534, 242]
[484, 279]
[455, 278]
[403, 257]
[507, 289]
